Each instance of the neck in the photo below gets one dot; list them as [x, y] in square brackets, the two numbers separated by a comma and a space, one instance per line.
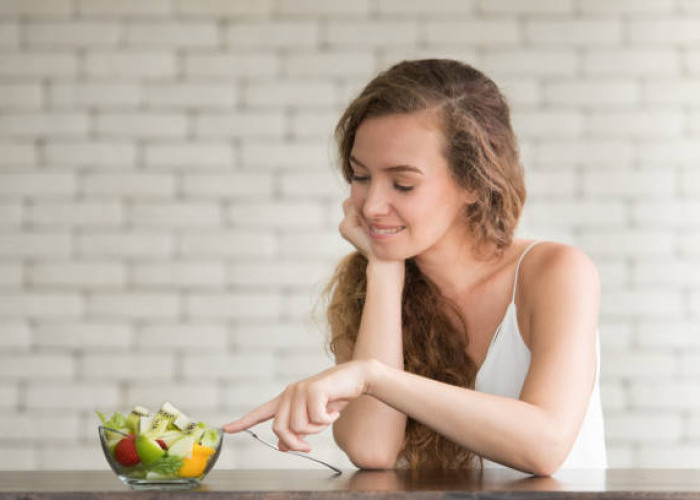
[453, 265]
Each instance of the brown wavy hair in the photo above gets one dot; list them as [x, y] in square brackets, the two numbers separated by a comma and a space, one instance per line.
[482, 153]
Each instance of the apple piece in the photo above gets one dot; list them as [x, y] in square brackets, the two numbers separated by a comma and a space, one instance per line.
[182, 447]
[148, 449]
[169, 437]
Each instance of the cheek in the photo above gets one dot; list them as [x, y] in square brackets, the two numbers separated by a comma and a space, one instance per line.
[356, 197]
[444, 211]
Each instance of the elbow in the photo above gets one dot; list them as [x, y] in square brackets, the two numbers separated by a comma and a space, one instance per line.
[547, 456]
[364, 452]
[543, 467]
[365, 455]
[371, 459]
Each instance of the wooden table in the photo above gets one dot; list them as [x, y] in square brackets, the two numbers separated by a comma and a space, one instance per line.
[319, 484]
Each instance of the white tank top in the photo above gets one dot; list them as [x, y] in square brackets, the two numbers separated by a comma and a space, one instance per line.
[503, 373]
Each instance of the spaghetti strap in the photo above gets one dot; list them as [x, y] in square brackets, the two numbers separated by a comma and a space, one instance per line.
[517, 269]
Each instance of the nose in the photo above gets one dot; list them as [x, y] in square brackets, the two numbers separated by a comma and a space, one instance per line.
[376, 203]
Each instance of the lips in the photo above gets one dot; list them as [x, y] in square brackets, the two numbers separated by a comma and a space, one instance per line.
[380, 229]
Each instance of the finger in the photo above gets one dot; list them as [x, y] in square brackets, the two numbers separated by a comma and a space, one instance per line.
[343, 229]
[347, 206]
[352, 216]
[260, 414]
[302, 426]
[336, 406]
[298, 415]
[280, 426]
[299, 420]
[300, 423]
[361, 223]
[318, 409]
[303, 444]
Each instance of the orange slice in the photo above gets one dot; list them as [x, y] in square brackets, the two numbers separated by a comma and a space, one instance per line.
[193, 466]
[200, 450]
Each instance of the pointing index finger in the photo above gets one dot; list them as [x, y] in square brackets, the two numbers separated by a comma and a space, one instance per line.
[260, 414]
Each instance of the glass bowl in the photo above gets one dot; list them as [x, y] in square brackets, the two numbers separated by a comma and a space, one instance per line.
[155, 475]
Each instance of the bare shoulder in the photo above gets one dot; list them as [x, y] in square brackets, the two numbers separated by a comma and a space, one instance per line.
[551, 259]
[555, 273]
[558, 292]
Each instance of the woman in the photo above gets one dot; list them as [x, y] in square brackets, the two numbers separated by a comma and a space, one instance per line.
[452, 347]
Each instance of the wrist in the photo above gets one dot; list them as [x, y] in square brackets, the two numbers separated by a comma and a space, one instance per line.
[390, 268]
[373, 369]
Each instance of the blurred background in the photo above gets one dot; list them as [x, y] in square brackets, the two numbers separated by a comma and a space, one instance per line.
[169, 201]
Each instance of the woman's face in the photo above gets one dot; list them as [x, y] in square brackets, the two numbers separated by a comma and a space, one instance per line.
[402, 186]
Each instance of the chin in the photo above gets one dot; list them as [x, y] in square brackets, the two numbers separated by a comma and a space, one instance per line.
[391, 254]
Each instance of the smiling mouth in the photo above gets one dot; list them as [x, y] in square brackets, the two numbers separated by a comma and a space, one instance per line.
[391, 230]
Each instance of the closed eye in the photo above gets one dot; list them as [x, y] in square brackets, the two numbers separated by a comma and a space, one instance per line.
[358, 178]
[366, 178]
[402, 188]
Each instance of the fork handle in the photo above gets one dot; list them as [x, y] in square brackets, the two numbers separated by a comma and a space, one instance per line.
[297, 453]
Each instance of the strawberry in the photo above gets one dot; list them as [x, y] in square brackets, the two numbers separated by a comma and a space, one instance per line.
[125, 452]
[162, 444]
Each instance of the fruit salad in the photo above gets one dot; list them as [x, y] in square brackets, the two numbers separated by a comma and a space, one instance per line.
[161, 445]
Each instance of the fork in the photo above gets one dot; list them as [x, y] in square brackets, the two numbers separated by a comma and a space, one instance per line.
[297, 453]
[266, 443]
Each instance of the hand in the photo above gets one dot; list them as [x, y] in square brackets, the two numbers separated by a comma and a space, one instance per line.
[309, 406]
[354, 229]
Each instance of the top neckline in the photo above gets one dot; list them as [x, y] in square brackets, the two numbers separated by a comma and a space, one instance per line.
[511, 306]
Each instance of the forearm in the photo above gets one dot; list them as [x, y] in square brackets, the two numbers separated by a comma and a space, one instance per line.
[380, 334]
[505, 430]
[369, 431]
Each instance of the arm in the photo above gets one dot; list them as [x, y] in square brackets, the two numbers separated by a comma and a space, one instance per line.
[535, 432]
[370, 432]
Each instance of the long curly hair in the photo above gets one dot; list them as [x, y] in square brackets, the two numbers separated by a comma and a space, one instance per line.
[482, 153]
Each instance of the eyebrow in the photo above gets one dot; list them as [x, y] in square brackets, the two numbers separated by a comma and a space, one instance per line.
[396, 168]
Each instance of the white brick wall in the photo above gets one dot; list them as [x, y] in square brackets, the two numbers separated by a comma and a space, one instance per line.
[168, 208]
